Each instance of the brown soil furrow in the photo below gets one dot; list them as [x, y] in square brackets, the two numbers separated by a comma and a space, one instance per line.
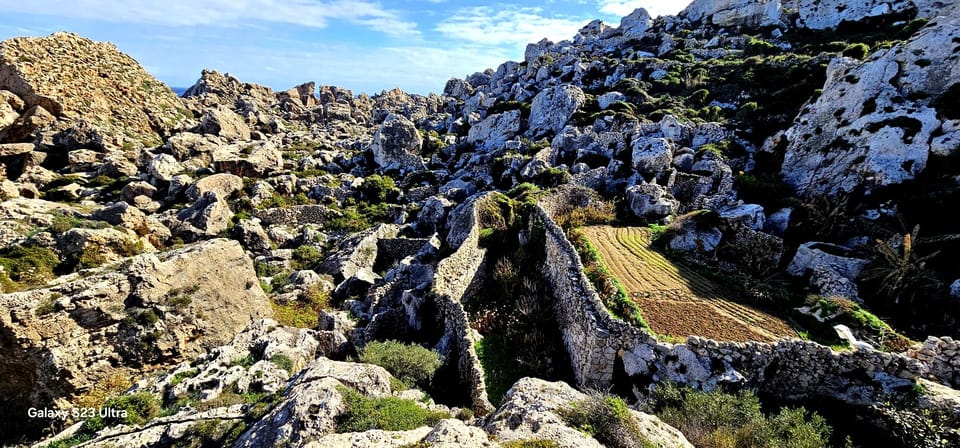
[674, 299]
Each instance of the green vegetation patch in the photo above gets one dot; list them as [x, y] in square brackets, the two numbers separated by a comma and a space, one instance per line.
[613, 294]
[304, 312]
[410, 363]
[385, 413]
[719, 419]
[26, 267]
[607, 419]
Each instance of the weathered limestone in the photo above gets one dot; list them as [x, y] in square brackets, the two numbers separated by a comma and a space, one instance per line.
[121, 321]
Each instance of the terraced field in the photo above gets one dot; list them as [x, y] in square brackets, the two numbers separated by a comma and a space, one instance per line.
[675, 300]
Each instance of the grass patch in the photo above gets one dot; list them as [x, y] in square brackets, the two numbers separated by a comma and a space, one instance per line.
[303, 312]
[284, 362]
[530, 443]
[26, 267]
[385, 413]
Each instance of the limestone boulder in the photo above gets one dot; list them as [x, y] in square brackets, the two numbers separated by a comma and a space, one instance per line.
[209, 216]
[730, 13]
[826, 14]
[223, 184]
[651, 156]
[495, 130]
[553, 107]
[312, 402]
[225, 123]
[163, 167]
[94, 247]
[27, 124]
[651, 201]
[829, 269]
[396, 144]
[251, 159]
[633, 25]
[532, 409]
[122, 321]
[877, 123]
[749, 215]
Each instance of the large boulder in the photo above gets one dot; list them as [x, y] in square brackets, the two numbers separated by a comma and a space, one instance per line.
[313, 402]
[153, 311]
[830, 269]
[825, 14]
[396, 144]
[209, 216]
[224, 122]
[651, 156]
[730, 13]
[534, 408]
[494, 131]
[635, 24]
[223, 184]
[553, 107]
[878, 122]
[651, 201]
[75, 79]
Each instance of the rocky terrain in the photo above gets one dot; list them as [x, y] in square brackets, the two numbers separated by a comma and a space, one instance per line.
[246, 267]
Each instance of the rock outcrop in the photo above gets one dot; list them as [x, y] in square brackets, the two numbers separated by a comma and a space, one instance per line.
[533, 409]
[79, 81]
[877, 124]
[396, 145]
[151, 311]
[728, 13]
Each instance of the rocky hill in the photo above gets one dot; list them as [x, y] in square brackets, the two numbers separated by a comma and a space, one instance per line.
[100, 96]
[247, 267]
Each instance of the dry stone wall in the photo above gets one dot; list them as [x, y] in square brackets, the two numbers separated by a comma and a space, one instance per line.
[941, 360]
[455, 276]
[598, 344]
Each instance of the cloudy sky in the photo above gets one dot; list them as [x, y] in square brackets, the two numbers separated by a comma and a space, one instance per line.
[367, 46]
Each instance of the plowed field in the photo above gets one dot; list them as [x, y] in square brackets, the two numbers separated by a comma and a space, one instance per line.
[675, 300]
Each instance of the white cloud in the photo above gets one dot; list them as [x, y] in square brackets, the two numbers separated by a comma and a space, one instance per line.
[656, 8]
[316, 14]
[506, 25]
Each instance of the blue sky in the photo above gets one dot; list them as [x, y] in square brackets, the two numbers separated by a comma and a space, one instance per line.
[367, 46]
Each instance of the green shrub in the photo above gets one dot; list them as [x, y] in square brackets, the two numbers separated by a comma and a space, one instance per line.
[385, 413]
[47, 306]
[410, 363]
[306, 257]
[140, 407]
[900, 275]
[699, 97]
[304, 312]
[857, 51]
[377, 188]
[179, 377]
[607, 419]
[760, 47]
[552, 177]
[718, 420]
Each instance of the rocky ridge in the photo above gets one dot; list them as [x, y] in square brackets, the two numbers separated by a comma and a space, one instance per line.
[371, 218]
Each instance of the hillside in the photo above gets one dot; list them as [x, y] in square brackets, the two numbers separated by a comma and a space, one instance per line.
[745, 206]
